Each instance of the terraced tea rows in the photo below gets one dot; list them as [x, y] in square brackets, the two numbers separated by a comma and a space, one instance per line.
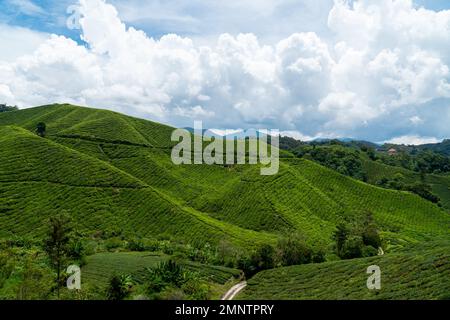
[413, 274]
[100, 267]
[111, 171]
[440, 184]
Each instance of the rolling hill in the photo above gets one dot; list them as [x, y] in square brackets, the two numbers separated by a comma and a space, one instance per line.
[417, 273]
[113, 171]
[440, 184]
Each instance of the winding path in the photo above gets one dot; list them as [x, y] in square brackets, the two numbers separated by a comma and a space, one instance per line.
[230, 294]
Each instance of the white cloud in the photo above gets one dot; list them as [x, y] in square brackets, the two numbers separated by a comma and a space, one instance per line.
[20, 41]
[5, 92]
[297, 135]
[205, 20]
[387, 65]
[416, 120]
[225, 132]
[196, 113]
[413, 140]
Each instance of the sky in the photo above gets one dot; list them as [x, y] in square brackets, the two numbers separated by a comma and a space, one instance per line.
[376, 70]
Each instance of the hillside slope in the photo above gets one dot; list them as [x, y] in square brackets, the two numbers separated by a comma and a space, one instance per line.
[111, 171]
[440, 183]
[421, 273]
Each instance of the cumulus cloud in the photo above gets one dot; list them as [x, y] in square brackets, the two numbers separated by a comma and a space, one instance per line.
[19, 41]
[413, 140]
[386, 67]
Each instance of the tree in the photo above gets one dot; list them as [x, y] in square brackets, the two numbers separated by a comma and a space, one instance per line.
[41, 129]
[370, 234]
[423, 190]
[6, 108]
[293, 251]
[352, 248]
[263, 258]
[57, 244]
[357, 239]
[340, 236]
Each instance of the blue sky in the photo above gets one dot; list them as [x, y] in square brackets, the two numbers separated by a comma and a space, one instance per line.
[369, 69]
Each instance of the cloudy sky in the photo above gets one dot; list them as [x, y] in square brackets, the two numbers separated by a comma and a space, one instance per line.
[369, 69]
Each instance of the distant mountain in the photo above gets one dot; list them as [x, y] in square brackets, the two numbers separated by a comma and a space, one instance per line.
[442, 147]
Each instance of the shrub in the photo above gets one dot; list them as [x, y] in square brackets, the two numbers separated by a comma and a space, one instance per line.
[263, 258]
[37, 282]
[163, 275]
[369, 251]
[203, 254]
[352, 248]
[119, 287]
[113, 243]
[77, 251]
[371, 236]
[171, 281]
[6, 108]
[318, 256]
[357, 240]
[7, 266]
[41, 129]
[136, 245]
[195, 289]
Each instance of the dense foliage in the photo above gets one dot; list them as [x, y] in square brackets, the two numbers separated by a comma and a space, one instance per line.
[343, 160]
[351, 158]
[424, 161]
[357, 239]
[169, 280]
[291, 250]
[6, 108]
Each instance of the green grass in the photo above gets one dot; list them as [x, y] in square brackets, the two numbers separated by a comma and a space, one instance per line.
[420, 273]
[111, 171]
[102, 266]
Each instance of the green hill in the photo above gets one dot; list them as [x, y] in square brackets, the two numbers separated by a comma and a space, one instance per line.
[112, 171]
[114, 176]
[419, 273]
[440, 183]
